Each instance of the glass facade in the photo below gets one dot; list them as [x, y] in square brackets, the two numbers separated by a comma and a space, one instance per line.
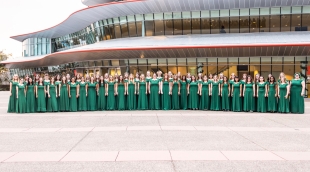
[274, 19]
[36, 46]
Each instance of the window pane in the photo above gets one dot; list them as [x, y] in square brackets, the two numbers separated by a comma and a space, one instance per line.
[177, 15]
[224, 24]
[205, 14]
[234, 24]
[148, 16]
[177, 26]
[187, 26]
[215, 28]
[264, 24]
[205, 26]
[132, 29]
[306, 18]
[275, 23]
[117, 30]
[254, 24]
[196, 14]
[244, 24]
[196, 26]
[186, 15]
[168, 15]
[149, 28]
[159, 27]
[158, 16]
[139, 28]
[124, 28]
[168, 27]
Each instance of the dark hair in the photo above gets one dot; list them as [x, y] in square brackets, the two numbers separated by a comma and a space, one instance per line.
[249, 76]
[236, 77]
[28, 83]
[262, 77]
[183, 76]
[226, 79]
[274, 79]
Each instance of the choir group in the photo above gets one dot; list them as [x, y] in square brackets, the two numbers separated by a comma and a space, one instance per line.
[170, 92]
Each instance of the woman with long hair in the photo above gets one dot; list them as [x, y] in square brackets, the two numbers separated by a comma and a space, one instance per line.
[249, 95]
[154, 93]
[225, 92]
[64, 95]
[52, 105]
[205, 94]
[91, 95]
[12, 102]
[175, 91]
[101, 92]
[283, 93]
[261, 92]
[272, 94]
[30, 96]
[83, 95]
[297, 91]
[21, 97]
[236, 94]
[142, 94]
[183, 93]
[73, 95]
[193, 93]
[215, 94]
[111, 87]
[131, 93]
[57, 83]
[121, 92]
[166, 93]
[40, 94]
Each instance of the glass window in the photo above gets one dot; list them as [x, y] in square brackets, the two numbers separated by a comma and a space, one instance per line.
[196, 26]
[172, 66]
[215, 23]
[158, 16]
[124, 30]
[275, 20]
[131, 18]
[196, 14]
[159, 27]
[117, 31]
[149, 28]
[205, 25]
[202, 64]
[148, 16]
[186, 15]
[178, 30]
[123, 20]
[132, 29]
[168, 15]
[139, 17]
[296, 22]
[306, 18]
[139, 28]
[169, 27]
[285, 18]
[244, 21]
[234, 21]
[205, 14]
[177, 15]
[254, 20]
[187, 26]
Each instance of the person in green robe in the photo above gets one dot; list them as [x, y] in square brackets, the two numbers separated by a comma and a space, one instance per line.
[154, 93]
[297, 87]
[148, 79]
[256, 81]
[57, 83]
[272, 95]
[102, 87]
[91, 95]
[52, 105]
[12, 102]
[236, 94]
[205, 94]
[193, 93]
[21, 97]
[243, 81]
[73, 95]
[160, 78]
[166, 94]
[40, 94]
[82, 95]
[283, 94]
[142, 93]
[249, 95]
[120, 92]
[131, 94]
[225, 93]
[175, 93]
[137, 80]
[30, 96]
[215, 94]
[261, 95]
[111, 87]
[183, 93]
[64, 95]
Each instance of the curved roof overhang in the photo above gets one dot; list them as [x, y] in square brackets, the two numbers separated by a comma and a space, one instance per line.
[84, 17]
[185, 46]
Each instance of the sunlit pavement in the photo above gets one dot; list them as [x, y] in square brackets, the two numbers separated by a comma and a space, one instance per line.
[154, 141]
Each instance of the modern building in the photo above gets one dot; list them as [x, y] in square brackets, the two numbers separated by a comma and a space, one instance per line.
[212, 36]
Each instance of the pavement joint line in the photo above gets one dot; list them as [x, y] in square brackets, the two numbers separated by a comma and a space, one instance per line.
[224, 155]
[172, 162]
[248, 139]
[117, 156]
[58, 129]
[77, 143]
[9, 157]
[276, 121]
[158, 122]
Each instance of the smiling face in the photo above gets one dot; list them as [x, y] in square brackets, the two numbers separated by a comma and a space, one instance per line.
[205, 78]
[297, 76]
[261, 79]
[21, 81]
[154, 76]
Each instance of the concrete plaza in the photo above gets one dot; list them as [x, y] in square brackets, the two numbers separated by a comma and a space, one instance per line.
[175, 141]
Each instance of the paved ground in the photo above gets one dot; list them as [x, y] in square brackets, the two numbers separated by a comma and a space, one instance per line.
[153, 141]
